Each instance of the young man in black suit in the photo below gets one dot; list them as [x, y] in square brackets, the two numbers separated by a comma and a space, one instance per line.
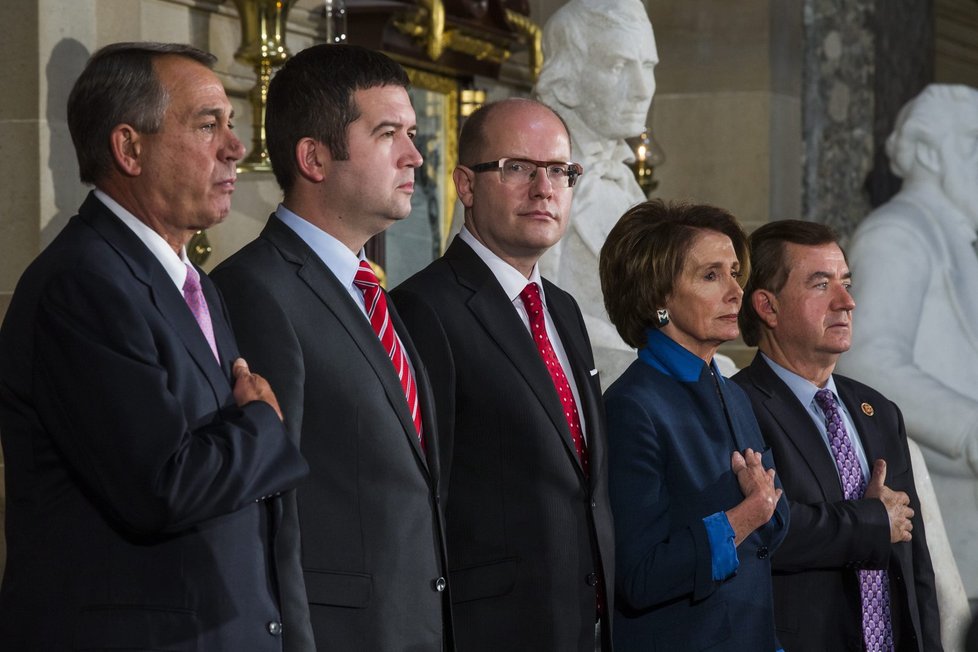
[362, 538]
[854, 572]
[518, 398]
[143, 459]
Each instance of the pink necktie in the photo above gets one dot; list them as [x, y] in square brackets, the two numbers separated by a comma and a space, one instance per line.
[538, 328]
[874, 585]
[194, 297]
[376, 303]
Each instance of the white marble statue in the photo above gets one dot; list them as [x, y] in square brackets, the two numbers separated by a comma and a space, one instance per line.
[915, 280]
[598, 73]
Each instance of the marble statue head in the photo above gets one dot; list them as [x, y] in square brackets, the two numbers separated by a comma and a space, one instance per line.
[600, 57]
[935, 141]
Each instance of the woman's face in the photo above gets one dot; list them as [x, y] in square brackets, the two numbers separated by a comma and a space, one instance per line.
[706, 297]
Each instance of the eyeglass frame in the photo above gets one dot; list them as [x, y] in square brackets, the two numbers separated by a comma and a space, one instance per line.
[574, 170]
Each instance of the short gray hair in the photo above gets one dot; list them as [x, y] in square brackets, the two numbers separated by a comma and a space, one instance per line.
[119, 86]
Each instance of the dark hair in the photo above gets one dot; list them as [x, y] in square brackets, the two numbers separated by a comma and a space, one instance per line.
[313, 96]
[473, 139]
[645, 253]
[119, 85]
[769, 267]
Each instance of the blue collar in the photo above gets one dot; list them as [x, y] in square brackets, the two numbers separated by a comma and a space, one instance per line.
[672, 359]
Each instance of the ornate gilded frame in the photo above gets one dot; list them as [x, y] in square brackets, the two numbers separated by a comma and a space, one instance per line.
[440, 95]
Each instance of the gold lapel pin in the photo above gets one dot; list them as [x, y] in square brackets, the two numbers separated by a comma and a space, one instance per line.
[868, 409]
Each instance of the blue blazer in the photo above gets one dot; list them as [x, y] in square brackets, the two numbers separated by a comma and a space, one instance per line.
[138, 509]
[673, 423]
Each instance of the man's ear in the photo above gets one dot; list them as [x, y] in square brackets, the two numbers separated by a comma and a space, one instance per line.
[126, 145]
[463, 178]
[765, 304]
[313, 159]
[929, 157]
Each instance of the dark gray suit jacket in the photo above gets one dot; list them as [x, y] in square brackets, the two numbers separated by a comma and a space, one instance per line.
[362, 539]
[134, 482]
[817, 603]
[527, 532]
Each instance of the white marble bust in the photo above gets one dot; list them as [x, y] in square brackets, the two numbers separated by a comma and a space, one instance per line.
[598, 73]
[915, 282]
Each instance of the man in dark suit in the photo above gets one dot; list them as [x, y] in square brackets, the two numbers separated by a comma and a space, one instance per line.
[363, 538]
[518, 399]
[141, 454]
[854, 572]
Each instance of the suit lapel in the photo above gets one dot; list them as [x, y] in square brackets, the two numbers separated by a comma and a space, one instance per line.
[495, 312]
[798, 427]
[165, 295]
[865, 426]
[324, 284]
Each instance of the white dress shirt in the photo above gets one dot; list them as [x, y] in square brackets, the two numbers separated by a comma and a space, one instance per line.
[513, 282]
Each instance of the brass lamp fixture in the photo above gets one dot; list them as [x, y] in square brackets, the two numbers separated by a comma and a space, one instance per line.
[263, 25]
[648, 156]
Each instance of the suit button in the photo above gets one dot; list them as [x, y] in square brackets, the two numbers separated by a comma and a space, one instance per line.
[274, 628]
[594, 504]
[762, 552]
[439, 584]
[591, 579]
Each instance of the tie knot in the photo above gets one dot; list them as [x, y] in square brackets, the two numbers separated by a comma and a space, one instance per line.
[192, 282]
[365, 276]
[825, 399]
[531, 297]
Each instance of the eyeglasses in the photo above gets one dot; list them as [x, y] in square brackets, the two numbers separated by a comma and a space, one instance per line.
[523, 170]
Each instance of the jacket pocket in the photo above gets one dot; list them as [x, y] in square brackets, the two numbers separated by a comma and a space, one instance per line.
[338, 589]
[131, 628]
[484, 580]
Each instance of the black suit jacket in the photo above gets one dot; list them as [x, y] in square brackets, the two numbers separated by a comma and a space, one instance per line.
[134, 518]
[816, 591]
[362, 539]
[526, 530]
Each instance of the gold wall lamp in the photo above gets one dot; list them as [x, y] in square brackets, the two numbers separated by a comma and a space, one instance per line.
[263, 28]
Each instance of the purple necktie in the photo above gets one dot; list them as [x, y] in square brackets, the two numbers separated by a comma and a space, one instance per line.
[874, 585]
[194, 297]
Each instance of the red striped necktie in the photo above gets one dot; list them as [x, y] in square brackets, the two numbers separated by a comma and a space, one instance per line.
[380, 319]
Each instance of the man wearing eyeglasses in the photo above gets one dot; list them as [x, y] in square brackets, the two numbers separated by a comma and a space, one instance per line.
[517, 398]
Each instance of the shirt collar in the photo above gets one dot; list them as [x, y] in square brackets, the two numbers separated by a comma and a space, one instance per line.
[803, 389]
[174, 264]
[511, 280]
[334, 254]
[672, 359]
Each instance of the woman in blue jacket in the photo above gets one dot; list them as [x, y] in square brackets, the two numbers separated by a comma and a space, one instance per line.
[698, 510]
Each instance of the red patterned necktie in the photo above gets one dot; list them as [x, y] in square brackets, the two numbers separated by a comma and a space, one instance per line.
[874, 585]
[538, 328]
[376, 303]
[194, 297]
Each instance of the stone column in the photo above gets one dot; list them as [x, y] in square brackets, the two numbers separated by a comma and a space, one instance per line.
[837, 110]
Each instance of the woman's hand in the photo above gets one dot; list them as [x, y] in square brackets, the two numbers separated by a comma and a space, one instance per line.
[760, 495]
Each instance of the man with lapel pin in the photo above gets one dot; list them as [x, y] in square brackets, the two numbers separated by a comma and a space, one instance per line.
[362, 538]
[143, 458]
[519, 403]
[854, 572]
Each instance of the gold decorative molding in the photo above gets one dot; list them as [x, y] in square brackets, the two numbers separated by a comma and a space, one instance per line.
[426, 25]
[525, 26]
